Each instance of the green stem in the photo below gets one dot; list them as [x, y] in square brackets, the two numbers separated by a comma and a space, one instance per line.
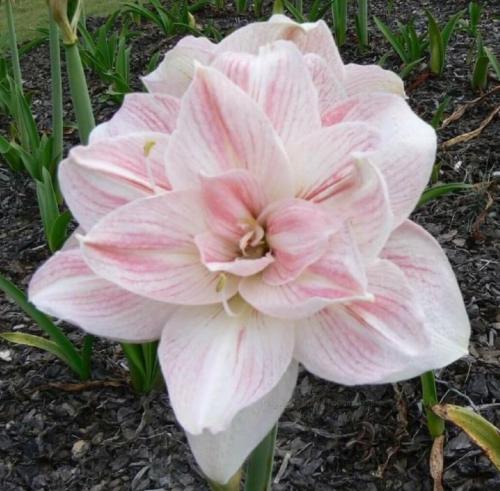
[16, 65]
[79, 92]
[57, 99]
[232, 485]
[429, 393]
[260, 464]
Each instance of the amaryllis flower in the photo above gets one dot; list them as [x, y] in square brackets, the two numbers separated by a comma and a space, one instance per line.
[251, 211]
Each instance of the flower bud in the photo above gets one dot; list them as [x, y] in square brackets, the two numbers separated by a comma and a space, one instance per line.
[59, 12]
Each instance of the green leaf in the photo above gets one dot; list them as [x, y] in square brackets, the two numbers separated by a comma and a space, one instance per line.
[450, 27]
[436, 46]
[58, 231]
[437, 119]
[10, 155]
[480, 431]
[47, 203]
[393, 40]
[134, 355]
[407, 69]
[294, 11]
[493, 61]
[37, 342]
[45, 323]
[479, 78]
[441, 189]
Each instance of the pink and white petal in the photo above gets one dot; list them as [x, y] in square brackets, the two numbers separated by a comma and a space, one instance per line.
[250, 38]
[221, 455]
[140, 112]
[279, 81]
[231, 200]
[66, 288]
[364, 200]
[215, 249]
[367, 342]
[215, 365]
[360, 79]
[328, 83]
[298, 233]
[231, 132]
[337, 277]
[218, 254]
[431, 277]
[147, 247]
[100, 177]
[242, 266]
[335, 345]
[324, 159]
[313, 37]
[408, 150]
[175, 72]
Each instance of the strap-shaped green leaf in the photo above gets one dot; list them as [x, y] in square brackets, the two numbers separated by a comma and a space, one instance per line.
[37, 342]
[481, 431]
[441, 189]
[436, 46]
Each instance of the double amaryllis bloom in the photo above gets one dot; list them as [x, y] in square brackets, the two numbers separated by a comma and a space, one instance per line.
[251, 211]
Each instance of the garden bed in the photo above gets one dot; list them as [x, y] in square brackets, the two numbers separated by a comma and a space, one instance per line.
[59, 434]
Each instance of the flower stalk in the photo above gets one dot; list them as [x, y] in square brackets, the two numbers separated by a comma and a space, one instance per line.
[79, 93]
[16, 65]
[232, 485]
[260, 464]
[429, 393]
[57, 99]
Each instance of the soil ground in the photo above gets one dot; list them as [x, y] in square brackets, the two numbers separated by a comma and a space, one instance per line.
[102, 436]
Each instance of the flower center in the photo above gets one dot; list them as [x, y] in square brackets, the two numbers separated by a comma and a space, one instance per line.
[253, 241]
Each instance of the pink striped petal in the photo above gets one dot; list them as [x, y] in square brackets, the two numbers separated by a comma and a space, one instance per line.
[147, 247]
[221, 455]
[105, 175]
[312, 37]
[218, 254]
[230, 132]
[324, 159]
[329, 84]
[278, 80]
[361, 79]
[216, 365]
[230, 201]
[367, 342]
[140, 112]
[298, 233]
[435, 287]
[364, 200]
[408, 148]
[337, 277]
[175, 72]
[66, 288]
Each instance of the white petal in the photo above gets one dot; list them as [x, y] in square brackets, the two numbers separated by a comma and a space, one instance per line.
[430, 275]
[66, 288]
[215, 365]
[220, 455]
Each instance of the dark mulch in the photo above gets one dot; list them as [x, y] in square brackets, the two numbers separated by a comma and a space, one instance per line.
[331, 437]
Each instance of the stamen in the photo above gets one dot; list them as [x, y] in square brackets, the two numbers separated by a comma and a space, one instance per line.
[148, 147]
[221, 283]
[219, 288]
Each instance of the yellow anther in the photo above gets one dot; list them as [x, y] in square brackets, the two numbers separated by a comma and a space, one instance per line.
[148, 146]
[221, 283]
